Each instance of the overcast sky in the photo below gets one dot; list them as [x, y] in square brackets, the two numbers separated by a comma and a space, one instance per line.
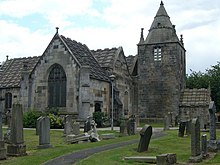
[27, 26]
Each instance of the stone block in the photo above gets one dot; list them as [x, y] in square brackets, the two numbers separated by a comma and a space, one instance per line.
[166, 159]
[145, 159]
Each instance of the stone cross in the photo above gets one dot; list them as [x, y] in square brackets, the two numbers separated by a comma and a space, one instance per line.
[44, 133]
[196, 155]
[145, 133]
[16, 146]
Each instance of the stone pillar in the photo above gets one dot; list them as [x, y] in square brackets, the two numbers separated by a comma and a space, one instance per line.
[196, 155]
[44, 133]
[84, 91]
[16, 146]
[212, 144]
[204, 146]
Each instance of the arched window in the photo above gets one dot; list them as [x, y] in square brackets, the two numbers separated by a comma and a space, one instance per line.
[8, 100]
[57, 87]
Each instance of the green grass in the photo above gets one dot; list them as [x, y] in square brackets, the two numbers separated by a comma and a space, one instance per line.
[167, 144]
[170, 143]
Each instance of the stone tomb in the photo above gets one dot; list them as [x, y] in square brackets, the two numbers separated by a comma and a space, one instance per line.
[16, 146]
[145, 133]
[196, 155]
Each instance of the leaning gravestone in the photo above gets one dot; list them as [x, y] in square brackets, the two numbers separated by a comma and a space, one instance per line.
[44, 133]
[196, 155]
[16, 146]
[212, 144]
[2, 143]
[145, 133]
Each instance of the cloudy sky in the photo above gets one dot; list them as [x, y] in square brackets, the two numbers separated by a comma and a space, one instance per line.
[27, 26]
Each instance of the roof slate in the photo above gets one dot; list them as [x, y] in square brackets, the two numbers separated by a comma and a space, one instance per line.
[105, 57]
[195, 97]
[13, 68]
[85, 57]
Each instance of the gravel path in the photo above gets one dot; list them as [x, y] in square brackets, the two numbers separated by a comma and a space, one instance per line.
[77, 156]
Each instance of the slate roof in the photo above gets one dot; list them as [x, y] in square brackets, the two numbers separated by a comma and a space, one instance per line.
[85, 57]
[195, 97]
[12, 69]
[105, 57]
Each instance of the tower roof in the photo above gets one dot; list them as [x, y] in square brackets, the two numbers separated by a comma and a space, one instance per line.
[161, 29]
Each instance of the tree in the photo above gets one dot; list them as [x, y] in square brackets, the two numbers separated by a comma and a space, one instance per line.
[203, 80]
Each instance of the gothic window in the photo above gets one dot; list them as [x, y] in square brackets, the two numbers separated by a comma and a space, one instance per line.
[8, 100]
[57, 87]
[157, 54]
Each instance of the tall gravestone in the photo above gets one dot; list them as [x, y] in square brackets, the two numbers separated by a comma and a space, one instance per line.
[204, 146]
[182, 127]
[38, 125]
[212, 144]
[145, 133]
[2, 143]
[196, 155]
[44, 133]
[76, 128]
[123, 127]
[16, 146]
[131, 126]
[166, 123]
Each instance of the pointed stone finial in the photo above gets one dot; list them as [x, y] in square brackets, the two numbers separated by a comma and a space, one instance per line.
[142, 36]
[161, 3]
[57, 28]
[7, 57]
[181, 38]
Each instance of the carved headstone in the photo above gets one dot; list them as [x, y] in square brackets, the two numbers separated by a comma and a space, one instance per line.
[145, 133]
[16, 146]
[196, 155]
[44, 133]
[38, 125]
[123, 127]
[212, 144]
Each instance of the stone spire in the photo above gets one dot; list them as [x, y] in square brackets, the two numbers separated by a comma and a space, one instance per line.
[142, 36]
[161, 29]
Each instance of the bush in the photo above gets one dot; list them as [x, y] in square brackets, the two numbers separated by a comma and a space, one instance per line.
[98, 117]
[56, 121]
[30, 118]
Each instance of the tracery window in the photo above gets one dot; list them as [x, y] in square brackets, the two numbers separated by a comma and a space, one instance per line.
[57, 87]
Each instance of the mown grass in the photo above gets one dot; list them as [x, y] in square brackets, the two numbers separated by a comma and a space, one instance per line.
[167, 144]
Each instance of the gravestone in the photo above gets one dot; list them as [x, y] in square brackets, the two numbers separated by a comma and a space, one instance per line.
[76, 128]
[131, 126]
[145, 133]
[2, 143]
[68, 125]
[94, 136]
[188, 127]
[212, 143]
[44, 133]
[38, 125]
[166, 159]
[166, 123]
[182, 127]
[87, 125]
[196, 155]
[16, 146]
[204, 146]
[123, 127]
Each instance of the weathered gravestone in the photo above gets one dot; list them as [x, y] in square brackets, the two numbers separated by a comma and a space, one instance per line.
[182, 127]
[131, 126]
[212, 143]
[38, 125]
[188, 127]
[16, 146]
[44, 133]
[166, 159]
[145, 133]
[123, 127]
[87, 125]
[94, 136]
[196, 155]
[2, 143]
[76, 128]
[68, 125]
[204, 146]
[166, 123]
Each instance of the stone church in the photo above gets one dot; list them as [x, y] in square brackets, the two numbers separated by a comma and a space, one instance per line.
[76, 80]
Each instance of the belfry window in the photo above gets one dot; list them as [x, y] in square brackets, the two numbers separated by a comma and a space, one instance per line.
[57, 87]
[157, 54]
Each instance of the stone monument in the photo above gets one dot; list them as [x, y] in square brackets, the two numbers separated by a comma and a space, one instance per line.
[2, 143]
[16, 146]
[68, 125]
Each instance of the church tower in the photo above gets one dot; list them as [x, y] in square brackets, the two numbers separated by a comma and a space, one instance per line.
[161, 68]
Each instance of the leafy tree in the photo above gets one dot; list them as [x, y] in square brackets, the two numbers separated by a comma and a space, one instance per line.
[203, 80]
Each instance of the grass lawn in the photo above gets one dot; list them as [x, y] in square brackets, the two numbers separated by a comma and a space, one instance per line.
[167, 144]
